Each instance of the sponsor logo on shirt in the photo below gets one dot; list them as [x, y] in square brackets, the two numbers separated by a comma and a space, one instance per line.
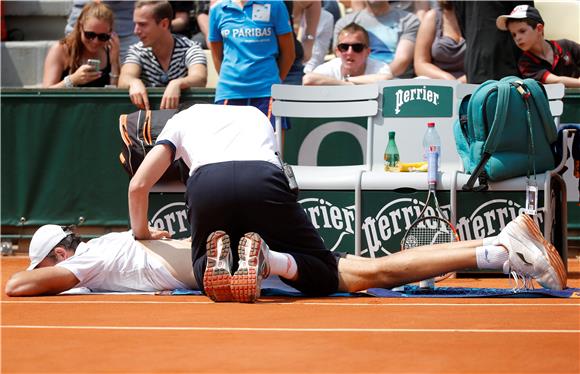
[261, 12]
[248, 32]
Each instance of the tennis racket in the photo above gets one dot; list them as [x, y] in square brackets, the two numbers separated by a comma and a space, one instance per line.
[431, 226]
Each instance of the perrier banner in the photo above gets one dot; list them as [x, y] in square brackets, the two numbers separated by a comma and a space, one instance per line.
[418, 101]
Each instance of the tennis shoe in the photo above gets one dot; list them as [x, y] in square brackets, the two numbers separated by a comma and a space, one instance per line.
[531, 256]
[217, 276]
[253, 267]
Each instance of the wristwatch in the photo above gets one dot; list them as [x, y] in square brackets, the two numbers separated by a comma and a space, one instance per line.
[309, 37]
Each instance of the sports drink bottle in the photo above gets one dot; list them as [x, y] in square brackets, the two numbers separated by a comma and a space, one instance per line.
[431, 152]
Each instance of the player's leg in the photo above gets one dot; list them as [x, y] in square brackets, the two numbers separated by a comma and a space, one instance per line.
[403, 267]
[520, 248]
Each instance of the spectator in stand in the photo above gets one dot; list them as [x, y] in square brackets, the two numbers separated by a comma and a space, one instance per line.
[353, 64]
[332, 7]
[161, 59]
[417, 7]
[123, 11]
[548, 61]
[322, 41]
[309, 13]
[191, 19]
[180, 24]
[392, 33]
[440, 48]
[489, 52]
[200, 28]
[66, 64]
[252, 47]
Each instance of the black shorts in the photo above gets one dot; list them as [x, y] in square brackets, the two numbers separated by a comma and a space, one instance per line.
[253, 196]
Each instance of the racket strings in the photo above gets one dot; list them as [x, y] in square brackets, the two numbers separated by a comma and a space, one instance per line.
[428, 233]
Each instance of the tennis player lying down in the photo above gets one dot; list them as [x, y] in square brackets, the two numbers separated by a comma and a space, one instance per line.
[59, 261]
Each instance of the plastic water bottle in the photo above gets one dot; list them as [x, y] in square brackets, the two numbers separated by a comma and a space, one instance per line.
[391, 153]
[431, 152]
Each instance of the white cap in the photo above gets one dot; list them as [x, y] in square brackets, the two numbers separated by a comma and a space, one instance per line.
[519, 12]
[43, 241]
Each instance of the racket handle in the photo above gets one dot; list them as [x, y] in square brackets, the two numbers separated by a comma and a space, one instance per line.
[427, 284]
[432, 166]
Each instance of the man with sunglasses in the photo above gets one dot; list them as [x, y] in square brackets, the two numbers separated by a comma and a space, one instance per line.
[160, 59]
[392, 34]
[353, 64]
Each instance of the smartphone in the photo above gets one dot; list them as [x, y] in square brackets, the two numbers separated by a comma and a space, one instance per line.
[96, 64]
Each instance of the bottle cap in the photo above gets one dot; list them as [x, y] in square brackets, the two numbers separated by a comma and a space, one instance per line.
[430, 124]
[391, 133]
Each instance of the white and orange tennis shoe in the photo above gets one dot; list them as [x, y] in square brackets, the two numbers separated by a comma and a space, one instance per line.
[217, 276]
[253, 267]
[531, 256]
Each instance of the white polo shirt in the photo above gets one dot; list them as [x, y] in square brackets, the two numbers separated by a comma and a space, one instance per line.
[208, 133]
[117, 262]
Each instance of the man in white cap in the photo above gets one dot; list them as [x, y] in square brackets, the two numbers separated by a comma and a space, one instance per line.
[60, 261]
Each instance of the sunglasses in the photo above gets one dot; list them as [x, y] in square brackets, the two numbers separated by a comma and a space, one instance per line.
[357, 47]
[102, 37]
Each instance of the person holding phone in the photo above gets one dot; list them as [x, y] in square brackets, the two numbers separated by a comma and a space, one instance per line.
[88, 56]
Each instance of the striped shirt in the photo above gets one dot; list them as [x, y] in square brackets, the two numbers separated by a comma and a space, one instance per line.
[185, 54]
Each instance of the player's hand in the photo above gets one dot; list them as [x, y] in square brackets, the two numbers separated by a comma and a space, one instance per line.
[159, 234]
[171, 95]
[138, 94]
[85, 74]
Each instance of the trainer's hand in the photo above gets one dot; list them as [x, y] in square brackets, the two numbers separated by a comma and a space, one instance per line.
[138, 94]
[159, 234]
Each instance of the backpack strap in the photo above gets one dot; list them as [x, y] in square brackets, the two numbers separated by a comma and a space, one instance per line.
[490, 145]
[543, 108]
[499, 120]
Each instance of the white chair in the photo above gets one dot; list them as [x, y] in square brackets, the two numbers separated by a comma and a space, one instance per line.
[329, 102]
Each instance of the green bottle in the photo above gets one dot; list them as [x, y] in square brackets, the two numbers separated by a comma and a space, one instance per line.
[391, 154]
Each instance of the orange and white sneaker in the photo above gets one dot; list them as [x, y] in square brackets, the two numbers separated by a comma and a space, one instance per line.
[253, 267]
[531, 256]
[217, 276]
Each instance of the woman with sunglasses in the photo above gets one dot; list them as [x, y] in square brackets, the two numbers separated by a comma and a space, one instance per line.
[67, 62]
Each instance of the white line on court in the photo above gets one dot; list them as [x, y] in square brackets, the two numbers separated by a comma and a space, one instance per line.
[288, 329]
[409, 304]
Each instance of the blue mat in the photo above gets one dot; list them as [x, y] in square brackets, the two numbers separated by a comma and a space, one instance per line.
[446, 292]
[416, 292]
[273, 286]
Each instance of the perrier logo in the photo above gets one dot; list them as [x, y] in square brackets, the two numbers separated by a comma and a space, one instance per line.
[418, 101]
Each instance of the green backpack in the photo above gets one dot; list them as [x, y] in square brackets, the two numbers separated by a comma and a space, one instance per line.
[505, 129]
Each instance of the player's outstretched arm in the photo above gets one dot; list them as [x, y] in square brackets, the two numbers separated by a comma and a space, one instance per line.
[43, 281]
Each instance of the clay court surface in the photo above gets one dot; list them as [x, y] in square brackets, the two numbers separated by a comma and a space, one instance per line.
[149, 333]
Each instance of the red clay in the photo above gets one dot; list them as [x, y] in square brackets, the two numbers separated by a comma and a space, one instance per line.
[144, 333]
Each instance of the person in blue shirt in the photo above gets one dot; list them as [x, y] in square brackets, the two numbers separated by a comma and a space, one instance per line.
[252, 48]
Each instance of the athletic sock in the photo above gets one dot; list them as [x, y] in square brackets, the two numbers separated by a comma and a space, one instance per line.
[492, 240]
[282, 264]
[491, 257]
